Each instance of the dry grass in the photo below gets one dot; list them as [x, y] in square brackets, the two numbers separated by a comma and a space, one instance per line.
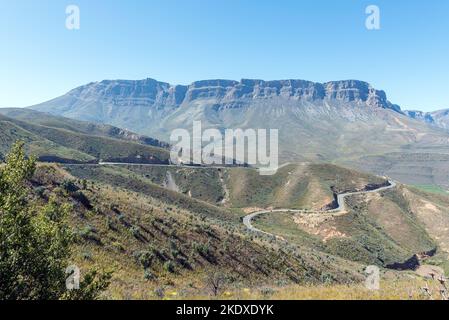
[404, 289]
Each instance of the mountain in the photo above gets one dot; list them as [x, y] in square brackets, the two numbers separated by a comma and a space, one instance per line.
[147, 106]
[341, 121]
[65, 140]
[438, 118]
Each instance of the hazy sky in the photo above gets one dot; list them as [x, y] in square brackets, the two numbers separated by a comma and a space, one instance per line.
[180, 41]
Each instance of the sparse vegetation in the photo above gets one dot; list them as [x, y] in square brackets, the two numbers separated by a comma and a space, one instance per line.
[166, 245]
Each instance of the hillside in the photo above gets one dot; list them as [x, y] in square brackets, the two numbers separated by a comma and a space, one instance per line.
[89, 128]
[156, 245]
[383, 229]
[427, 166]
[304, 185]
[65, 140]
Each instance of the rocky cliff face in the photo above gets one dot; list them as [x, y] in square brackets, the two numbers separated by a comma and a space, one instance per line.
[152, 92]
[437, 118]
[130, 92]
[420, 115]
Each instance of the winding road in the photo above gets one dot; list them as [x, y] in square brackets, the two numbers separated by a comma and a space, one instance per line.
[341, 207]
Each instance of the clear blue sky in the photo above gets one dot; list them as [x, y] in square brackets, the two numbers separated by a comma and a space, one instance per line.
[180, 41]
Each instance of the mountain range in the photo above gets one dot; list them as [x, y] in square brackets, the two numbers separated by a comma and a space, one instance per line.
[150, 93]
[348, 122]
[173, 226]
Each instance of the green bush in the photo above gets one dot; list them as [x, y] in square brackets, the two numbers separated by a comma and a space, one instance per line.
[146, 259]
[148, 275]
[169, 266]
[69, 186]
[135, 231]
[35, 241]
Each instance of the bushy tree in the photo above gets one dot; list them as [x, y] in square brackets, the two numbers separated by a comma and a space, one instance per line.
[35, 241]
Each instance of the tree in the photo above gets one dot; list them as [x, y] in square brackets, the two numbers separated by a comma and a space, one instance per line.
[215, 281]
[35, 241]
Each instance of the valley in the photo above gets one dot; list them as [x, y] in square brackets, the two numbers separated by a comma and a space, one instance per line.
[361, 183]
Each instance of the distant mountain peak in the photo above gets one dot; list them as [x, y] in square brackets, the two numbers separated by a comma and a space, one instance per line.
[438, 118]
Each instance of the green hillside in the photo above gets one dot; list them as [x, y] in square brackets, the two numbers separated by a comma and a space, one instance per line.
[64, 143]
[89, 128]
[158, 240]
[376, 229]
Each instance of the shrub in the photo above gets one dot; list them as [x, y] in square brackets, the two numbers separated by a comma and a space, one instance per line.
[146, 259]
[81, 198]
[89, 233]
[202, 249]
[135, 231]
[69, 186]
[40, 191]
[111, 224]
[87, 255]
[148, 275]
[169, 266]
[159, 292]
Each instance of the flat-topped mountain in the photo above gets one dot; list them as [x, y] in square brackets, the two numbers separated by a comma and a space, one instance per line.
[156, 108]
[341, 121]
[152, 92]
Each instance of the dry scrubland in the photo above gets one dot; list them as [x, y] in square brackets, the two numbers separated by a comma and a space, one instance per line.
[405, 289]
[162, 244]
[155, 247]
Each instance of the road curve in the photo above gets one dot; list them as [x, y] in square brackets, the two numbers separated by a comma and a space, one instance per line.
[341, 206]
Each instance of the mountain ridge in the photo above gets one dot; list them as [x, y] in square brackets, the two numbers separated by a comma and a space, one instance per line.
[151, 91]
[438, 118]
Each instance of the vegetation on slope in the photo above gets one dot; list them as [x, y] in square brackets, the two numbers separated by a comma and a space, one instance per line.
[165, 244]
[293, 186]
[64, 145]
[200, 183]
[157, 224]
[35, 240]
[89, 128]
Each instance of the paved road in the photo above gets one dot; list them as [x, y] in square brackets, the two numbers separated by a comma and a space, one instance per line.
[341, 207]
[104, 163]
[101, 163]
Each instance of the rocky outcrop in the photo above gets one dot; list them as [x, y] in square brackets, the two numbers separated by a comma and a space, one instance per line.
[437, 118]
[131, 136]
[420, 115]
[152, 92]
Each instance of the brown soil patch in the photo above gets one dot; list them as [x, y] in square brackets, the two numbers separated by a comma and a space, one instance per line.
[319, 224]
